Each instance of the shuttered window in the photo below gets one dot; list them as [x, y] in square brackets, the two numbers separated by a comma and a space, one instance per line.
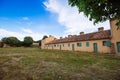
[87, 44]
[63, 45]
[79, 44]
[68, 44]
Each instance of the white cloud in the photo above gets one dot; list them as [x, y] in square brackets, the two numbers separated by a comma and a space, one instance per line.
[71, 19]
[20, 36]
[6, 33]
[27, 30]
[25, 18]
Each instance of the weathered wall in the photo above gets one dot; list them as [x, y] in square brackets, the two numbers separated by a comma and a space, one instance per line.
[47, 40]
[64, 46]
[115, 34]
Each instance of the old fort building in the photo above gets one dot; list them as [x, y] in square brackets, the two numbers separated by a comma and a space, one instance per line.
[102, 41]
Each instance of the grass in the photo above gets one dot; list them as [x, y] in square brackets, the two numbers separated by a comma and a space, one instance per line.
[36, 64]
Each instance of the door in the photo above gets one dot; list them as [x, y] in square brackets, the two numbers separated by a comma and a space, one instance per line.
[60, 47]
[95, 47]
[73, 48]
[118, 47]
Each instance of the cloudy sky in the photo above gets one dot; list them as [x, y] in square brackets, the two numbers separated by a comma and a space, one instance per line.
[37, 18]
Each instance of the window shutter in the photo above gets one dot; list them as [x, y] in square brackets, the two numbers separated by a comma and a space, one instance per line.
[108, 43]
[87, 44]
[79, 44]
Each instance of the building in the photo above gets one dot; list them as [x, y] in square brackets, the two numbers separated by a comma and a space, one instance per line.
[103, 41]
[1, 44]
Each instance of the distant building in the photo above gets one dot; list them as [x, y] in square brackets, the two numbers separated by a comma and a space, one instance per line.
[103, 41]
[1, 44]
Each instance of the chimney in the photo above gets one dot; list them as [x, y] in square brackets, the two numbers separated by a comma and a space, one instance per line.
[69, 36]
[74, 35]
[100, 29]
[81, 33]
[60, 37]
[50, 35]
[65, 37]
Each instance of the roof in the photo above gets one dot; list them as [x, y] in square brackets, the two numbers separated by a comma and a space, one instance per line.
[84, 37]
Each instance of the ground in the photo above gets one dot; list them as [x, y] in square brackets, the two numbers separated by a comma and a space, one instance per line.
[36, 64]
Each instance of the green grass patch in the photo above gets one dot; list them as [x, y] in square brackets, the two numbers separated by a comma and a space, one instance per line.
[36, 64]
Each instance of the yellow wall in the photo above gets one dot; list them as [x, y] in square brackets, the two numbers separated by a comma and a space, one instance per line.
[115, 37]
[90, 48]
[47, 40]
[101, 48]
[115, 34]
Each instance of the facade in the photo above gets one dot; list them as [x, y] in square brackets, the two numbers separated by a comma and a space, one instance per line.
[103, 41]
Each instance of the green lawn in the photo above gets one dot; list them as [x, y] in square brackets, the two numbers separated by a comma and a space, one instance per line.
[36, 64]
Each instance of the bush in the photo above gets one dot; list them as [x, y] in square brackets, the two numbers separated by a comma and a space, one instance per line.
[28, 41]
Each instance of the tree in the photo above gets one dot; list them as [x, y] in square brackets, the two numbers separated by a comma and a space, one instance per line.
[4, 39]
[12, 41]
[44, 37]
[39, 42]
[28, 41]
[98, 10]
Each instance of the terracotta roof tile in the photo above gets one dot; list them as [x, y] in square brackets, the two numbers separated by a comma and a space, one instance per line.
[85, 37]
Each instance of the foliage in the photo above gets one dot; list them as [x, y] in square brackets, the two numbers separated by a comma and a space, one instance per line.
[4, 39]
[44, 37]
[40, 43]
[12, 41]
[28, 41]
[98, 10]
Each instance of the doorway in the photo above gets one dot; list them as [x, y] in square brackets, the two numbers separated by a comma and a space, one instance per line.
[95, 47]
[60, 47]
[118, 47]
[73, 48]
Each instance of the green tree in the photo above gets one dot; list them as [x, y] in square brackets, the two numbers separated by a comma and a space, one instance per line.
[4, 39]
[28, 41]
[12, 41]
[44, 37]
[98, 10]
[39, 42]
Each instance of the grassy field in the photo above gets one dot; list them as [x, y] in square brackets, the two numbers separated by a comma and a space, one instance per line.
[36, 64]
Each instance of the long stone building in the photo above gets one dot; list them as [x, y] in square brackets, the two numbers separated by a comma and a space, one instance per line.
[103, 41]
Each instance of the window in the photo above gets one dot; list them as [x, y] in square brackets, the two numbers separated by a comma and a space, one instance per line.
[108, 43]
[54, 45]
[87, 44]
[63, 45]
[68, 44]
[79, 44]
[104, 43]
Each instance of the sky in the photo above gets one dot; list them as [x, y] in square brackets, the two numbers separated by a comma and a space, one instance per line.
[36, 18]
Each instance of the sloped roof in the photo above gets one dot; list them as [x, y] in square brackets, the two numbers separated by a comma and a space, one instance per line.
[84, 37]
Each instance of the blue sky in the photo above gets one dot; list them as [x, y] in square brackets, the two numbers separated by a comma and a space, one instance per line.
[37, 18]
